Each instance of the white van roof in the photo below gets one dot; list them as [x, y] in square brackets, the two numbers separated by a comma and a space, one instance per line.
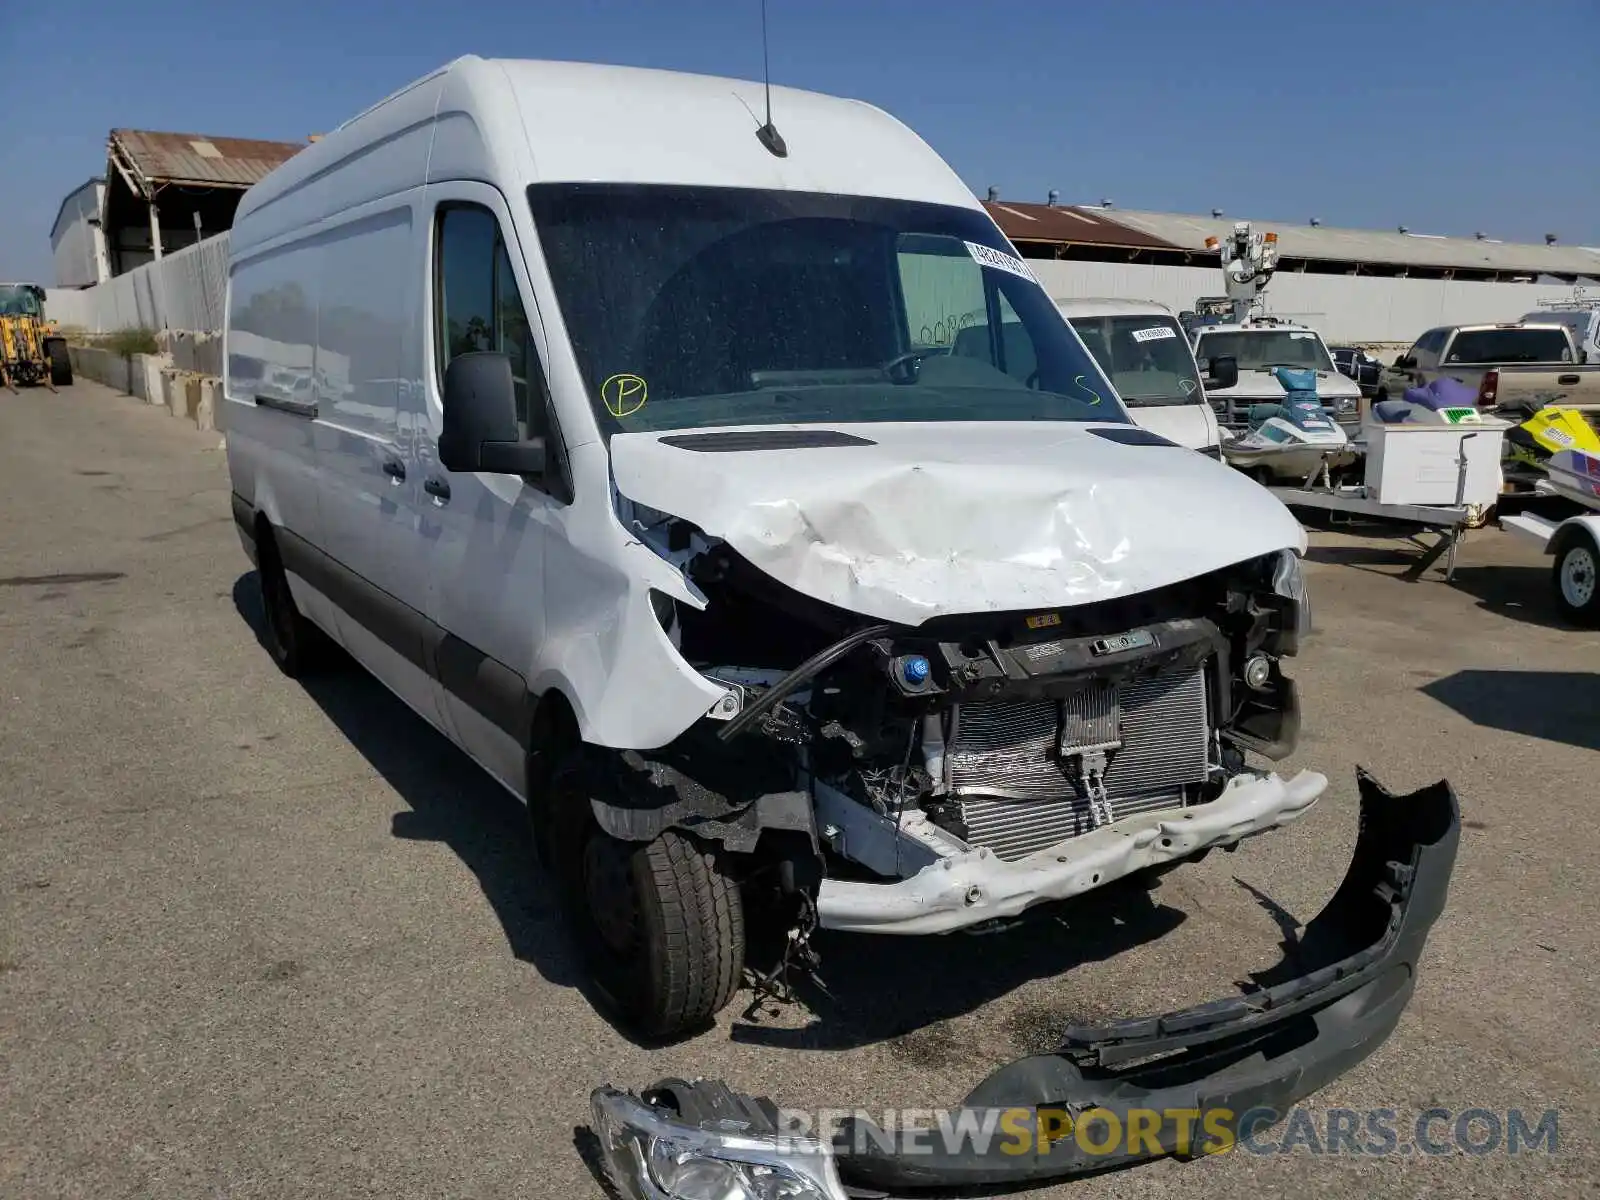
[1100, 306]
[514, 122]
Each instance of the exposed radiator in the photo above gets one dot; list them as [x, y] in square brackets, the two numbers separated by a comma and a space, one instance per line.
[1015, 795]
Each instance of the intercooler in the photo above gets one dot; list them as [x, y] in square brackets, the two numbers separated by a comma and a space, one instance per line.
[1015, 767]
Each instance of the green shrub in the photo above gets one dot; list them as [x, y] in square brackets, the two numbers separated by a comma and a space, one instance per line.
[130, 341]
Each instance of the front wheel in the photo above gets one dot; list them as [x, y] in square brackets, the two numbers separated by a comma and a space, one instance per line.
[296, 645]
[660, 924]
[60, 364]
[1577, 593]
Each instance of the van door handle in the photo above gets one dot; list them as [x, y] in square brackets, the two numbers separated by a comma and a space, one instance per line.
[437, 488]
[1567, 380]
[394, 469]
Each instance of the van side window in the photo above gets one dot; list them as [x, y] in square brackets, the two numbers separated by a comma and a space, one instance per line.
[479, 307]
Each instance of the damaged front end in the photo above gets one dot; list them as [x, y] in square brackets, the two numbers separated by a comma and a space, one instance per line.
[1184, 1079]
[959, 771]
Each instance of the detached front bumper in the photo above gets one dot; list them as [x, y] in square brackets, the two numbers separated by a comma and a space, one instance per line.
[1183, 1080]
[968, 889]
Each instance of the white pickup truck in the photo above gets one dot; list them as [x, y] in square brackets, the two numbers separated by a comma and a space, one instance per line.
[1260, 345]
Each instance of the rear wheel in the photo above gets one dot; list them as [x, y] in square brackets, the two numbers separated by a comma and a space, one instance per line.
[660, 924]
[1577, 591]
[60, 363]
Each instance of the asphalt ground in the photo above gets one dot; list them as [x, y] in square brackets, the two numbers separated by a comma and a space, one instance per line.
[266, 939]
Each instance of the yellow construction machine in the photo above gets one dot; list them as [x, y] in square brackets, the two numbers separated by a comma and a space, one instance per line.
[32, 351]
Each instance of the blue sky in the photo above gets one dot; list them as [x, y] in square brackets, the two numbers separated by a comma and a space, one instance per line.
[1446, 117]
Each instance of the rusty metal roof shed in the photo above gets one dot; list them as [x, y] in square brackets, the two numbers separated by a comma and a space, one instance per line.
[196, 159]
[1070, 225]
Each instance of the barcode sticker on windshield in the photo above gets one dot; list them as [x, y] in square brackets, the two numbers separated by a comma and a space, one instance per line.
[987, 256]
[1154, 333]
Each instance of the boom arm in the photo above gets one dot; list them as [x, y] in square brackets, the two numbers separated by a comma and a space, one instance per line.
[1248, 261]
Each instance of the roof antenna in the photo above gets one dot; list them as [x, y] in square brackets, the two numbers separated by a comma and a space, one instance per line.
[768, 134]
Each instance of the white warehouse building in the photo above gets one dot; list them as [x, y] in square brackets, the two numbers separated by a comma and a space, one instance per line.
[77, 241]
[1357, 286]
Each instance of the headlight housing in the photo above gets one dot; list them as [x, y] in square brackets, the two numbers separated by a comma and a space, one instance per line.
[1289, 581]
[650, 1154]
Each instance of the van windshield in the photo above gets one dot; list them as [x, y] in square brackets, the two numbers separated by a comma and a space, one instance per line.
[694, 306]
[1147, 358]
[1264, 349]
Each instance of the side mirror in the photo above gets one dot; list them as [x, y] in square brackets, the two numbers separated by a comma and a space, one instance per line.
[480, 419]
[1404, 363]
[1224, 371]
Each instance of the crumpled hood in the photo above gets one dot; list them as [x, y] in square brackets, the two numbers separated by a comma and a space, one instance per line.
[933, 519]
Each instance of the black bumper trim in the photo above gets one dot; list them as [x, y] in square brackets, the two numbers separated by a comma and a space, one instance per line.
[1331, 1002]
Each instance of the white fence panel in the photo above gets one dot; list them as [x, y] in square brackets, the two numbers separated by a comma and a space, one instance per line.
[182, 290]
[1345, 308]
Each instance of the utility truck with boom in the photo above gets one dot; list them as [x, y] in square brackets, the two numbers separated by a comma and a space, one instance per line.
[1234, 329]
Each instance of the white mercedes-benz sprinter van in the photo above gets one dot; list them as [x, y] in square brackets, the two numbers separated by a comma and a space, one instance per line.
[732, 492]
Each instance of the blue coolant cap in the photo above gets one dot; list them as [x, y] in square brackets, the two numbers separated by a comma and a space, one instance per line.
[915, 669]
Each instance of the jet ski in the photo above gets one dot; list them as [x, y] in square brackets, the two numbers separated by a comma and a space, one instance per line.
[1575, 474]
[1444, 401]
[1291, 438]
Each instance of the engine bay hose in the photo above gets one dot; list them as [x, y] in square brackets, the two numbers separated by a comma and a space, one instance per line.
[813, 666]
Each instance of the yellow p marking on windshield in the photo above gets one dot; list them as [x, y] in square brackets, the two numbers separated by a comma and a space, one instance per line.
[624, 395]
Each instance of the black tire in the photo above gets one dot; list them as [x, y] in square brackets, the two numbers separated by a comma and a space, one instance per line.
[660, 924]
[297, 646]
[1575, 579]
[60, 364]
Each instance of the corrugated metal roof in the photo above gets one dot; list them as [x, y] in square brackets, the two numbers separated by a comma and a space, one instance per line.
[200, 159]
[1372, 246]
[1066, 223]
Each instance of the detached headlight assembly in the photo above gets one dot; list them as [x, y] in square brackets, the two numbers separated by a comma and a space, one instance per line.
[1289, 581]
[652, 1154]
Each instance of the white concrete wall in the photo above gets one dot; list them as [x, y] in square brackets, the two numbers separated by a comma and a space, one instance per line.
[1345, 308]
[184, 290]
[69, 307]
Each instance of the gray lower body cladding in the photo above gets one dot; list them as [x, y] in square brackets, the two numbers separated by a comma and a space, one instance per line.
[1015, 766]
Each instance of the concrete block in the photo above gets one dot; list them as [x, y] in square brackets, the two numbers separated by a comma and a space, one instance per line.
[147, 377]
[191, 396]
[172, 391]
[119, 372]
[208, 354]
[183, 350]
[209, 406]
